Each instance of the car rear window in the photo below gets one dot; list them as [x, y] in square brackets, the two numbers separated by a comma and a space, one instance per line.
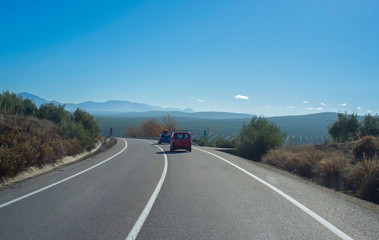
[182, 136]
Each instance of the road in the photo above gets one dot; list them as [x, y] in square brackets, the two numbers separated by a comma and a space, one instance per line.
[205, 194]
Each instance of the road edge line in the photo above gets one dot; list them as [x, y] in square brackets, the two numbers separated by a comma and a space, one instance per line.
[63, 180]
[314, 215]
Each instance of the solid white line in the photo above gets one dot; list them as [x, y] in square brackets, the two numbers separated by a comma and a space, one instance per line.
[64, 180]
[140, 221]
[331, 227]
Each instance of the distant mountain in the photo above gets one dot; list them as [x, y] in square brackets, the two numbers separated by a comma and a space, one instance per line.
[132, 109]
[37, 100]
[116, 107]
[176, 114]
[103, 107]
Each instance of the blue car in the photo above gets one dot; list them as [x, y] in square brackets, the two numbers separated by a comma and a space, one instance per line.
[164, 137]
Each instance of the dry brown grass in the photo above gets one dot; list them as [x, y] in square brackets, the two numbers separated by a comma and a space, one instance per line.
[343, 167]
[366, 148]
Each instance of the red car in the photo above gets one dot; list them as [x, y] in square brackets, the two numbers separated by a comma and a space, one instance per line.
[181, 140]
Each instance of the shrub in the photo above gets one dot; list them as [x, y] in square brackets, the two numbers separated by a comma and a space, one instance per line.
[363, 180]
[31, 142]
[329, 172]
[303, 161]
[27, 141]
[276, 157]
[365, 148]
[299, 160]
[223, 143]
[257, 138]
[203, 142]
[333, 166]
[369, 188]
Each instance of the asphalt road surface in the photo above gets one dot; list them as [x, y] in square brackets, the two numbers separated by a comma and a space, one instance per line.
[140, 190]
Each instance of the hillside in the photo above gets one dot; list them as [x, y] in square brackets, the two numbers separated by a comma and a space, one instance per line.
[303, 129]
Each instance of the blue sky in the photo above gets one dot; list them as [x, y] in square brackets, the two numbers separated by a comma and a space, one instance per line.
[264, 57]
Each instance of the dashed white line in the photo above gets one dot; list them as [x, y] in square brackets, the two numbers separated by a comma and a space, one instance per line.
[61, 181]
[327, 224]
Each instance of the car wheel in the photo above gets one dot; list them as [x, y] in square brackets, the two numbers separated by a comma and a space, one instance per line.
[189, 149]
[171, 149]
[159, 142]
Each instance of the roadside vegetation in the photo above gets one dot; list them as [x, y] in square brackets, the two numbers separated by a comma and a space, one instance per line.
[32, 136]
[350, 163]
[253, 140]
[151, 128]
[219, 142]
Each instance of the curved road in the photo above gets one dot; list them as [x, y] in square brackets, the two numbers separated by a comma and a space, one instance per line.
[205, 194]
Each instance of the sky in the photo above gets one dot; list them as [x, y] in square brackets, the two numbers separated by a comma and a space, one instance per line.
[270, 58]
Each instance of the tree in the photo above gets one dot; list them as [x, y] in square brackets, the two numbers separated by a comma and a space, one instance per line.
[150, 128]
[370, 126]
[169, 123]
[257, 138]
[345, 128]
[11, 103]
[88, 128]
[30, 109]
[52, 112]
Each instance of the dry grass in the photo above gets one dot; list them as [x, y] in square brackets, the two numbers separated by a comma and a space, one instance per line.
[366, 148]
[352, 167]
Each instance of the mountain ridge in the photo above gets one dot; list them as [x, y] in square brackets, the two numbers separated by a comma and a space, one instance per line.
[108, 106]
[119, 108]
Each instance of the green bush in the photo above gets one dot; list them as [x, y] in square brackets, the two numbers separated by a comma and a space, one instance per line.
[370, 126]
[345, 128]
[257, 138]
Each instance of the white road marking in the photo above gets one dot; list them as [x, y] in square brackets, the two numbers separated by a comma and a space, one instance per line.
[64, 180]
[331, 227]
[140, 221]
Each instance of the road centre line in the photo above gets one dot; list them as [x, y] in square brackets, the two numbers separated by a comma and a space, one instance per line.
[331, 227]
[140, 221]
[64, 180]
